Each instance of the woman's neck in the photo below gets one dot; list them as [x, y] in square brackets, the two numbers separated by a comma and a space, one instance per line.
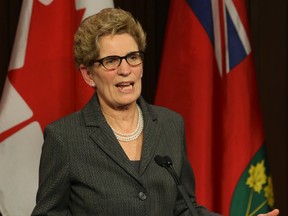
[122, 119]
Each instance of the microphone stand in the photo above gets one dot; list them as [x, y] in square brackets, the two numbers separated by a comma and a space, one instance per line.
[166, 162]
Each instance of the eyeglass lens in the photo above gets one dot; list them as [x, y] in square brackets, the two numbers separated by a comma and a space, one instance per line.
[112, 62]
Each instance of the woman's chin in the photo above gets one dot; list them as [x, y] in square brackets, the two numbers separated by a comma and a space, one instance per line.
[128, 100]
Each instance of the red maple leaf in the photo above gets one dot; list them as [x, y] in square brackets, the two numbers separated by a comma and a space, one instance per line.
[48, 81]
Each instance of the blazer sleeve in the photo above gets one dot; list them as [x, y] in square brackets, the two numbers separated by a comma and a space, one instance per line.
[54, 187]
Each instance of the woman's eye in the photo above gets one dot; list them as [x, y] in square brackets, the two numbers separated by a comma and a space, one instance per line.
[133, 57]
[110, 60]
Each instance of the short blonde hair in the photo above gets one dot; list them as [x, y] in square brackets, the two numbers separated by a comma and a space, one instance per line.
[109, 21]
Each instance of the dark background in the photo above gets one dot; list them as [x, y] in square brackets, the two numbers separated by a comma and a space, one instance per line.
[268, 25]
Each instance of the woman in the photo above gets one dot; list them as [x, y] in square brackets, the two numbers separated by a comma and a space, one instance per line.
[100, 160]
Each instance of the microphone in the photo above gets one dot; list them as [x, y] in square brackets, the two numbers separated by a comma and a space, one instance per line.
[167, 163]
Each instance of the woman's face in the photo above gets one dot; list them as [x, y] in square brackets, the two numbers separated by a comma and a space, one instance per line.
[120, 86]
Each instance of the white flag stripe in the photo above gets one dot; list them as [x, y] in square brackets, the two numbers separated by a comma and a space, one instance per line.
[20, 43]
[239, 26]
[13, 109]
[46, 2]
[92, 6]
[19, 164]
[217, 34]
[227, 59]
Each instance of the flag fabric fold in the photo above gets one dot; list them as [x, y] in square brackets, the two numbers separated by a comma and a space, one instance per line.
[207, 75]
[42, 85]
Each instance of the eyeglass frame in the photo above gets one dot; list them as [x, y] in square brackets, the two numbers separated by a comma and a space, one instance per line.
[141, 53]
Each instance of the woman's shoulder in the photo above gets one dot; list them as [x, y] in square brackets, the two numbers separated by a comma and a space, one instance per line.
[66, 121]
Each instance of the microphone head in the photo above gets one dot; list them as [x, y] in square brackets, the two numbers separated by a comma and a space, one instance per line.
[167, 161]
[159, 160]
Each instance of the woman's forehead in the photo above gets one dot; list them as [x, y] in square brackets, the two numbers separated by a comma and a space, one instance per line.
[119, 44]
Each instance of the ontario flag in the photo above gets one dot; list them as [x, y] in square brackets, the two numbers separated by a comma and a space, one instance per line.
[42, 85]
[207, 75]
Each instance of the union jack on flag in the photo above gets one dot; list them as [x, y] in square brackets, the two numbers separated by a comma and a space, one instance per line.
[225, 29]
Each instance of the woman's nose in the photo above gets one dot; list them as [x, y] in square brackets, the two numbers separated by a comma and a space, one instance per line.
[124, 68]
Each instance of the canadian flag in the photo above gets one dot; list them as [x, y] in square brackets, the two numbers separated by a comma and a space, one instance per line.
[42, 85]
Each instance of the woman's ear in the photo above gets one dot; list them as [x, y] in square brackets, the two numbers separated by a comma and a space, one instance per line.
[86, 75]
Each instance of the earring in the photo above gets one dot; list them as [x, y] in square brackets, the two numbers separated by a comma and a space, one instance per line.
[92, 84]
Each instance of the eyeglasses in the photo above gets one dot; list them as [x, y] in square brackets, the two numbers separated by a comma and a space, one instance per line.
[113, 62]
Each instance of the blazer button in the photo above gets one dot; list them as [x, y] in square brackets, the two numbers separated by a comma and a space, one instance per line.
[142, 196]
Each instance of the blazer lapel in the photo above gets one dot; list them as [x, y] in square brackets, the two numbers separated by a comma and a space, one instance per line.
[104, 137]
[151, 136]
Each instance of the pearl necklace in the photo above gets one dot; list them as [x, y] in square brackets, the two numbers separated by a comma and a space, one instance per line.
[135, 134]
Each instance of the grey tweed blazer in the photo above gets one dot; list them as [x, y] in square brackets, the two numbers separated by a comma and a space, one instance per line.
[84, 171]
